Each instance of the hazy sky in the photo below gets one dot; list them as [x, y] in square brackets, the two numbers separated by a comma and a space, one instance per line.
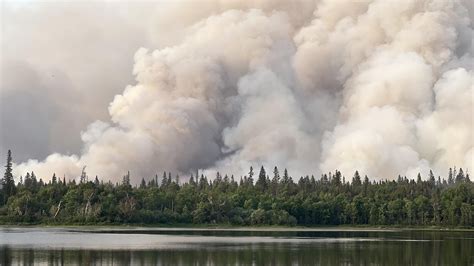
[61, 64]
[385, 87]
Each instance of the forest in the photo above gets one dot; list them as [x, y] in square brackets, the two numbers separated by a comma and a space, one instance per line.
[263, 198]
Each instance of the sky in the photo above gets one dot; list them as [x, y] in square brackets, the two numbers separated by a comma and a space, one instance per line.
[383, 87]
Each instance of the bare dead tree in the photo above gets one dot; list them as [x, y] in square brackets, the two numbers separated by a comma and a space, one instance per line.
[88, 204]
[58, 209]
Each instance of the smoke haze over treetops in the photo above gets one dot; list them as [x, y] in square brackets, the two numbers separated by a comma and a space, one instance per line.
[383, 87]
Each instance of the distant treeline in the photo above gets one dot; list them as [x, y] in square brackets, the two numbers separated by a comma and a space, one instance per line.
[263, 199]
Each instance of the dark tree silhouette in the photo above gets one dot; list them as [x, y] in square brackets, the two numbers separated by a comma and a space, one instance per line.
[8, 183]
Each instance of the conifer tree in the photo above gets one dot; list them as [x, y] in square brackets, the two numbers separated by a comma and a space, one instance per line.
[286, 177]
[450, 177]
[164, 180]
[191, 180]
[126, 179]
[276, 175]
[250, 178]
[356, 181]
[262, 180]
[460, 176]
[432, 178]
[8, 184]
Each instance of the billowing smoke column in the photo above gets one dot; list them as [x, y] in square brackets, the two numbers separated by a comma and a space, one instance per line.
[383, 87]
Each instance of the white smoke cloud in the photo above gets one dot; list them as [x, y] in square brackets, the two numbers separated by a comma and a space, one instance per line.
[382, 87]
[61, 63]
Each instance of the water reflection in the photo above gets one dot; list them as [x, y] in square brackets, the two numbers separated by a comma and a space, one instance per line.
[236, 248]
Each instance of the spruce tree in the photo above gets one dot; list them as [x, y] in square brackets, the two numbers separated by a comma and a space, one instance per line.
[460, 176]
[356, 181]
[27, 181]
[53, 179]
[191, 180]
[126, 180]
[276, 175]
[286, 177]
[8, 184]
[262, 180]
[250, 178]
[164, 180]
[450, 177]
[432, 178]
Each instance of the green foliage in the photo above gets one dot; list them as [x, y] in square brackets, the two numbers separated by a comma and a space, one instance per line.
[276, 201]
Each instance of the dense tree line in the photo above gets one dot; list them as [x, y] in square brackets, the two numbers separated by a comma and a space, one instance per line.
[271, 199]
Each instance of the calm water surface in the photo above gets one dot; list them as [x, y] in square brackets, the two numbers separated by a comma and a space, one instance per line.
[178, 246]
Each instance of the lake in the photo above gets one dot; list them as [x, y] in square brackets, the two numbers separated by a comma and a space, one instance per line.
[184, 246]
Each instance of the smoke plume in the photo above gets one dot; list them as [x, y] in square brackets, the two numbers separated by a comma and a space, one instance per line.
[383, 87]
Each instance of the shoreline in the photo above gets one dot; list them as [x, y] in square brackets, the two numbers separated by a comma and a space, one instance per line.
[230, 228]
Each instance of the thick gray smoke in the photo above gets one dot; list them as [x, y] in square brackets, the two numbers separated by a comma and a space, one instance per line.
[383, 87]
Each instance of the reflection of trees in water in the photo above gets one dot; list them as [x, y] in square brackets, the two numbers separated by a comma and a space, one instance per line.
[439, 249]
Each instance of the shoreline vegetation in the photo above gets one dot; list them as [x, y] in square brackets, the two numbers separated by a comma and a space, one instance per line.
[252, 201]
